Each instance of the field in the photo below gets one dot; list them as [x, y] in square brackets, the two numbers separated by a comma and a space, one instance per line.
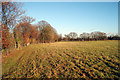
[83, 59]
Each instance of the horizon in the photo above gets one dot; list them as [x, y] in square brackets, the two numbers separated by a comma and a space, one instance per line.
[76, 17]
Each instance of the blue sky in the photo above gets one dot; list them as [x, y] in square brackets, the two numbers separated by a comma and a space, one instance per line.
[77, 17]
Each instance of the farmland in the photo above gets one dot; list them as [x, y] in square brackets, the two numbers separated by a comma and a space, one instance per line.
[80, 59]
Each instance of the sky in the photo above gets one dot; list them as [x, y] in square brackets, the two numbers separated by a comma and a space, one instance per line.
[77, 17]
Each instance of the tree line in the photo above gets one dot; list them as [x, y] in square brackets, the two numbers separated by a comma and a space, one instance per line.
[96, 35]
[17, 29]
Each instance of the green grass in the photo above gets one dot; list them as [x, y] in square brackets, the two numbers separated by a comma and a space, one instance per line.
[86, 59]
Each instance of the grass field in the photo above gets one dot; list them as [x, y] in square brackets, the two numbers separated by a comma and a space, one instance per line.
[86, 59]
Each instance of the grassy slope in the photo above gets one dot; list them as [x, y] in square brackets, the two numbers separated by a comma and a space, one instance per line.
[87, 59]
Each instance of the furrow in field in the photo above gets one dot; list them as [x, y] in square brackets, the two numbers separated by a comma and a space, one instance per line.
[76, 65]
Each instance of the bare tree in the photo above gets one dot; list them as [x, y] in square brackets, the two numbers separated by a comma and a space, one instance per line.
[26, 19]
[25, 31]
[46, 32]
[73, 35]
[97, 35]
[11, 11]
